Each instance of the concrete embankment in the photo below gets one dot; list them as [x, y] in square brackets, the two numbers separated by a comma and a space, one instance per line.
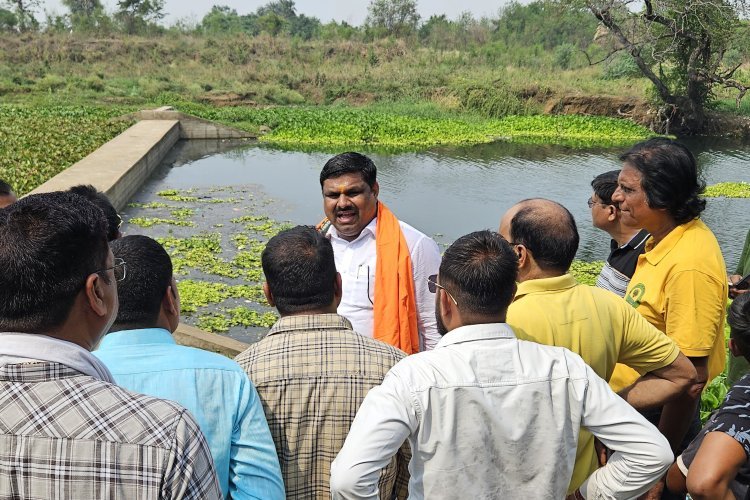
[120, 167]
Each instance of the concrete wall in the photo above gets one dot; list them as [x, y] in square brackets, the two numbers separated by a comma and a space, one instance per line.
[120, 167]
[192, 127]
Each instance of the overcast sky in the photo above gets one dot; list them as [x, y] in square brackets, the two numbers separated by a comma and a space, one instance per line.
[351, 11]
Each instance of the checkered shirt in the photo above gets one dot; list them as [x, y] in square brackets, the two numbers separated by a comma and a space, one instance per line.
[65, 435]
[312, 373]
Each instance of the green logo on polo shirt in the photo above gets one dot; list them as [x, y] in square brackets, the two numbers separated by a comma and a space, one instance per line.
[635, 295]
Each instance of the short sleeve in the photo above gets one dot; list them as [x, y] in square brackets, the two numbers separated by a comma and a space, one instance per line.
[644, 348]
[733, 417]
[694, 311]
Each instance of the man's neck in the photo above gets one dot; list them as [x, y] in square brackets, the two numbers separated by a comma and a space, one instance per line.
[536, 273]
[310, 312]
[622, 235]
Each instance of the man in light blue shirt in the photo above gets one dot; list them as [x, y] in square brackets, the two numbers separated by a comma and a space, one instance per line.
[143, 357]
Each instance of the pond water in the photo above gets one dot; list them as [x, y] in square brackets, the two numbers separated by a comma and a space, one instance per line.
[448, 192]
[444, 192]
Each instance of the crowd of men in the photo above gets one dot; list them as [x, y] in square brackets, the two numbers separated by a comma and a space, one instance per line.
[393, 371]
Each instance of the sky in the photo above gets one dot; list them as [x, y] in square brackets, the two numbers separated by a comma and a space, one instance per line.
[351, 11]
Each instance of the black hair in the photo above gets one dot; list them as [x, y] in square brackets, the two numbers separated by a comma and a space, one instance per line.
[5, 188]
[604, 185]
[346, 163]
[553, 241]
[669, 177]
[149, 273]
[739, 323]
[100, 200]
[300, 270]
[51, 243]
[479, 270]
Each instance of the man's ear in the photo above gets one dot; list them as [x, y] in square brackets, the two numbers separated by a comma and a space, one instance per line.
[95, 294]
[268, 294]
[523, 255]
[611, 213]
[169, 302]
[375, 189]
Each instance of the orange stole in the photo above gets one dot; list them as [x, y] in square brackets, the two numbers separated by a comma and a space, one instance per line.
[395, 306]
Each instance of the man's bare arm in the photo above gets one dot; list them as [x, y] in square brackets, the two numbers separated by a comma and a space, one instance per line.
[662, 386]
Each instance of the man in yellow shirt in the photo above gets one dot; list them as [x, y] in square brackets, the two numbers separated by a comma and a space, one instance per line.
[551, 308]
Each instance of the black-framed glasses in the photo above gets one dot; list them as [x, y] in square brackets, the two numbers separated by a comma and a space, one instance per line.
[433, 285]
[119, 270]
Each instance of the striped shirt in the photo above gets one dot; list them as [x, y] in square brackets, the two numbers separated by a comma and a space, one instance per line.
[312, 372]
[68, 435]
[620, 266]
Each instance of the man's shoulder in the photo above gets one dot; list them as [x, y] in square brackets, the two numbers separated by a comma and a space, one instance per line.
[342, 341]
[163, 357]
[414, 236]
[105, 412]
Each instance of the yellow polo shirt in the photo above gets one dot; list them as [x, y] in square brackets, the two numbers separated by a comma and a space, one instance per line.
[597, 325]
[680, 287]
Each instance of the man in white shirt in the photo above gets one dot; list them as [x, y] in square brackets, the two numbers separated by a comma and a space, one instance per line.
[488, 415]
[357, 225]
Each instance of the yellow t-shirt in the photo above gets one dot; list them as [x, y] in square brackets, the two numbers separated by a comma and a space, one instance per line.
[597, 325]
[680, 287]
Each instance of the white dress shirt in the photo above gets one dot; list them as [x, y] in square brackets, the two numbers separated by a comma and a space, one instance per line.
[491, 416]
[355, 260]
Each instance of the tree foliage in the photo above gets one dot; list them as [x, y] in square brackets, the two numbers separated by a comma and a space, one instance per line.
[23, 11]
[680, 46]
[137, 16]
[393, 17]
[85, 15]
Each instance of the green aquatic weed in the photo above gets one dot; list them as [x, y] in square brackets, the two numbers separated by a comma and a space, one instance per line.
[728, 190]
[151, 221]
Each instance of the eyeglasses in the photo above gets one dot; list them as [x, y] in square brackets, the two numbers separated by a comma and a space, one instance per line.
[119, 269]
[590, 202]
[119, 218]
[433, 285]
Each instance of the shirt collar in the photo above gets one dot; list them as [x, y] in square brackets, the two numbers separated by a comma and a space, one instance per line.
[369, 229]
[546, 285]
[470, 333]
[655, 253]
[329, 321]
[136, 337]
[636, 241]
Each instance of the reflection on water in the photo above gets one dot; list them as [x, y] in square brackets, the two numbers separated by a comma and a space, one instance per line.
[448, 192]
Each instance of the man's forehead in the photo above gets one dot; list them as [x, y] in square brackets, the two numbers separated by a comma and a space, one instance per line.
[344, 181]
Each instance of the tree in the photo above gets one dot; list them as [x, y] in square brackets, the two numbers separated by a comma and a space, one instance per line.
[8, 20]
[221, 19]
[24, 13]
[84, 14]
[137, 15]
[680, 46]
[393, 17]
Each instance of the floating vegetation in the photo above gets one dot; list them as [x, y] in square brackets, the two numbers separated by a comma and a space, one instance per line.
[340, 126]
[197, 293]
[175, 195]
[182, 213]
[728, 190]
[152, 221]
[586, 272]
[39, 142]
[225, 319]
[153, 204]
